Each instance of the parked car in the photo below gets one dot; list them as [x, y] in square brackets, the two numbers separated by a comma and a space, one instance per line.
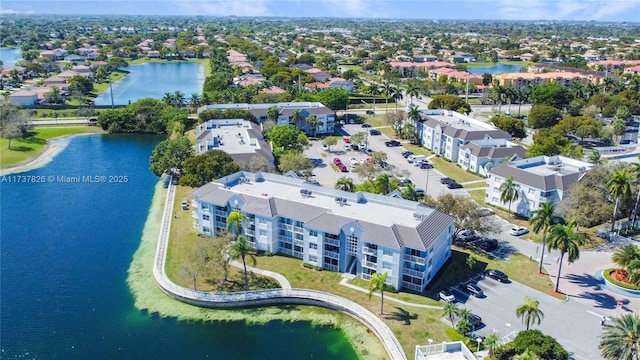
[365, 125]
[467, 235]
[446, 296]
[354, 161]
[485, 211]
[518, 230]
[425, 165]
[454, 185]
[343, 168]
[374, 132]
[383, 164]
[474, 290]
[370, 112]
[498, 275]
[420, 192]
[325, 147]
[185, 205]
[392, 143]
[337, 161]
[488, 245]
[406, 154]
[475, 321]
[354, 147]
[346, 140]
[367, 150]
[403, 181]
[446, 180]
[347, 147]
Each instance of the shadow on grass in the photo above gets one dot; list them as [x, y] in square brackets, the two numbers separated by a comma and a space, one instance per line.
[20, 148]
[402, 315]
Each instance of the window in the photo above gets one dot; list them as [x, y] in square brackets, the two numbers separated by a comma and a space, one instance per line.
[387, 252]
[352, 245]
[205, 217]
[205, 229]
[387, 266]
[313, 246]
[262, 232]
[313, 258]
[313, 233]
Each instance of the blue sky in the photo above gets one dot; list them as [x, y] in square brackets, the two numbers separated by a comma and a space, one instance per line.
[600, 10]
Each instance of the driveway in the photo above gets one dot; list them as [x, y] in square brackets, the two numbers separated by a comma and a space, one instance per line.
[575, 325]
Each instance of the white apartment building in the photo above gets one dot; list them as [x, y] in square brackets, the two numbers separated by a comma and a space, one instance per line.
[445, 131]
[541, 179]
[358, 233]
[239, 138]
[482, 155]
[326, 116]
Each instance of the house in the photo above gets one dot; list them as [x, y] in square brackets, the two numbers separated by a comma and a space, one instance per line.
[454, 75]
[239, 138]
[316, 85]
[414, 69]
[357, 233]
[541, 179]
[521, 80]
[24, 98]
[481, 155]
[341, 83]
[74, 58]
[632, 70]
[325, 116]
[444, 132]
[318, 74]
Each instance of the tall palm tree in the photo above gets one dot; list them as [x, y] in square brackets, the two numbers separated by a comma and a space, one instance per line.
[272, 113]
[619, 186]
[621, 339]
[509, 191]
[450, 310]
[595, 158]
[490, 341]
[234, 220]
[194, 101]
[464, 323]
[377, 283]
[374, 91]
[414, 114]
[497, 93]
[412, 91]
[387, 90]
[410, 193]
[541, 220]
[345, 184]
[179, 99]
[396, 95]
[567, 240]
[529, 312]
[295, 116]
[313, 122]
[242, 249]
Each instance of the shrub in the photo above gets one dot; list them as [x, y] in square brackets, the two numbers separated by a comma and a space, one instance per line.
[544, 346]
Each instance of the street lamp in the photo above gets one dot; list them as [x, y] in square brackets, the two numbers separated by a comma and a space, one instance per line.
[430, 341]
[479, 340]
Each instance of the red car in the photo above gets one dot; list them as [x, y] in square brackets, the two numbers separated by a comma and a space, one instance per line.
[347, 140]
[337, 161]
[343, 168]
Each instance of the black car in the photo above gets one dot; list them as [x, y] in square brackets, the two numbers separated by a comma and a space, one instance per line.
[498, 275]
[392, 143]
[374, 132]
[406, 153]
[454, 185]
[426, 165]
[365, 125]
[383, 164]
[446, 180]
[488, 245]
[475, 320]
[370, 112]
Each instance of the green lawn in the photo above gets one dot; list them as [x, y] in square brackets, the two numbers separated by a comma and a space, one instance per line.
[24, 149]
[101, 86]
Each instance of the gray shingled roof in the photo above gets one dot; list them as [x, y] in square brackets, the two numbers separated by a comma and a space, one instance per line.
[432, 226]
[258, 205]
[378, 234]
[545, 183]
[494, 152]
[216, 196]
[328, 222]
[297, 210]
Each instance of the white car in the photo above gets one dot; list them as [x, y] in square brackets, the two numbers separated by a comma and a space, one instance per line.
[518, 230]
[446, 296]
[354, 162]
[325, 147]
[347, 147]
[485, 211]
[467, 235]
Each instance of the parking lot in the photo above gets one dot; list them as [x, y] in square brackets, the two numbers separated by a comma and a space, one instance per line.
[327, 176]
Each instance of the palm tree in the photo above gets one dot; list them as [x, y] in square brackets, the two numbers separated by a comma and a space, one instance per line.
[194, 101]
[313, 124]
[497, 93]
[295, 116]
[410, 193]
[272, 114]
[509, 191]
[541, 220]
[527, 355]
[387, 90]
[464, 323]
[179, 99]
[529, 312]
[168, 98]
[595, 158]
[414, 114]
[412, 91]
[396, 95]
[625, 255]
[235, 220]
[621, 339]
[345, 184]
[619, 185]
[377, 283]
[567, 240]
[241, 249]
[490, 341]
[450, 310]
[374, 91]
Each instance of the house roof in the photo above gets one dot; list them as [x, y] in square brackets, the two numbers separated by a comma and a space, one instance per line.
[550, 182]
[492, 151]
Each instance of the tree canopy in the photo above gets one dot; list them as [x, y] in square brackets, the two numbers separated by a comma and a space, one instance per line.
[551, 94]
[169, 155]
[513, 126]
[544, 116]
[287, 138]
[212, 165]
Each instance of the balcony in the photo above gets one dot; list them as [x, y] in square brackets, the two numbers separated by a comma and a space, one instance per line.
[298, 243]
[194, 214]
[334, 242]
[414, 273]
[250, 232]
[366, 276]
[298, 229]
[369, 251]
[298, 254]
[415, 259]
[369, 264]
[332, 254]
[286, 227]
[411, 286]
[330, 267]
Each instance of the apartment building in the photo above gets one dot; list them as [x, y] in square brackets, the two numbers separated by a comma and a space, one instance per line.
[482, 155]
[239, 138]
[520, 80]
[444, 132]
[541, 179]
[358, 233]
[326, 116]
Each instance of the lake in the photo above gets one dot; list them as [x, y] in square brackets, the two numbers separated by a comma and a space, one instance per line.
[498, 68]
[66, 248]
[154, 80]
[10, 56]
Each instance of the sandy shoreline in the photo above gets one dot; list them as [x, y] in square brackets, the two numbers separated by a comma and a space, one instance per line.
[150, 299]
[51, 149]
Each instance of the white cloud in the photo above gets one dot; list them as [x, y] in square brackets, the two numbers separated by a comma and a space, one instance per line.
[223, 7]
[567, 9]
[9, 11]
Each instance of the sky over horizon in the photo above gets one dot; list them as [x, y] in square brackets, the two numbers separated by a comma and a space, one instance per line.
[598, 10]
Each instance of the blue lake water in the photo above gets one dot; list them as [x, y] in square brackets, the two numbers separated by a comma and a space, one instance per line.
[10, 56]
[65, 251]
[154, 80]
[498, 68]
